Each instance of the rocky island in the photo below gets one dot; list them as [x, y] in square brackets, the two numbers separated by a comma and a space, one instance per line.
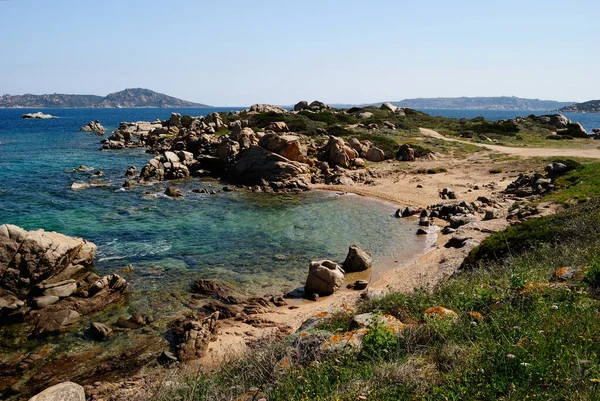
[592, 106]
[128, 98]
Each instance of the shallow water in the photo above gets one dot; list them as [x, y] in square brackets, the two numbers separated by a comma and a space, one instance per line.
[263, 242]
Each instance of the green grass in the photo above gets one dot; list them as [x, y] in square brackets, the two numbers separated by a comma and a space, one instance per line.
[578, 185]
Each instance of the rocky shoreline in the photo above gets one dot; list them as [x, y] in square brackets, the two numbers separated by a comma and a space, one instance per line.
[48, 284]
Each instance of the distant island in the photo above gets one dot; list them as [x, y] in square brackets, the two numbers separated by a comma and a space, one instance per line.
[592, 106]
[128, 98]
[481, 103]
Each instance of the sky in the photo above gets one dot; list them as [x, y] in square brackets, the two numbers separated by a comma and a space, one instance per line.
[237, 53]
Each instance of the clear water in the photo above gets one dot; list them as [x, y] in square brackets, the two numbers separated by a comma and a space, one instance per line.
[263, 242]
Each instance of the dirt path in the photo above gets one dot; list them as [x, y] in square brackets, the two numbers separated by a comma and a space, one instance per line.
[591, 153]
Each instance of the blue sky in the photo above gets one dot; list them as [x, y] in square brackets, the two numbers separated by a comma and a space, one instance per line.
[242, 52]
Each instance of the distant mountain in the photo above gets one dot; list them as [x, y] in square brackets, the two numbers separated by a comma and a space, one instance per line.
[593, 106]
[481, 103]
[128, 98]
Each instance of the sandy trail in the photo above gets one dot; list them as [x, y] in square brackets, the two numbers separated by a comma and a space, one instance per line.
[592, 153]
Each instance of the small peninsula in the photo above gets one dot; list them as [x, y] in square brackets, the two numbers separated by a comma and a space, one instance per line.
[592, 106]
[481, 103]
[128, 98]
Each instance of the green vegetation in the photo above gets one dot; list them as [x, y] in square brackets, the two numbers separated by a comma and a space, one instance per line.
[579, 184]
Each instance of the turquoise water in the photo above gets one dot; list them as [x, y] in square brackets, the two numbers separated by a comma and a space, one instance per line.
[263, 242]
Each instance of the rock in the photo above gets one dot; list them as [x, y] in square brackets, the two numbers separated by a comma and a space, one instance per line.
[175, 120]
[38, 115]
[438, 312]
[359, 162]
[555, 169]
[211, 288]
[424, 222]
[301, 105]
[375, 155]
[317, 106]
[337, 153]
[351, 340]
[398, 213]
[410, 211]
[266, 108]
[365, 114]
[54, 318]
[366, 320]
[66, 391]
[357, 260]
[29, 258]
[278, 127]
[360, 284]
[228, 149]
[324, 277]
[99, 331]
[174, 192]
[447, 193]
[461, 220]
[389, 106]
[128, 184]
[45, 300]
[405, 153]
[61, 289]
[288, 146]
[79, 185]
[93, 126]
[256, 165]
[192, 336]
[420, 231]
[555, 120]
[493, 213]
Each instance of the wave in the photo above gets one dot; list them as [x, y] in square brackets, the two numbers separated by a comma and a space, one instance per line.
[117, 249]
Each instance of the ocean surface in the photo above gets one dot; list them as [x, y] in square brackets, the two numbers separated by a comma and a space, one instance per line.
[263, 242]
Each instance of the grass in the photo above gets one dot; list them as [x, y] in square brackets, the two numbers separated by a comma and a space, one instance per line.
[512, 340]
[578, 185]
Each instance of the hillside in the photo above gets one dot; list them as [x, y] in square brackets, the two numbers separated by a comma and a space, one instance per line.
[592, 106]
[128, 98]
[481, 103]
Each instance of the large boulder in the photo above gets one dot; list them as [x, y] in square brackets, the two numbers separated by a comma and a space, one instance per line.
[288, 146]
[357, 260]
[375, 154]
[324, 278]
[301, 105]
[278, 126]
[258, 164]
[192, 335]
[27, 258]
[389, 106]
[337, 153]
[405, 153]
[555, 120]
[66, 391]
[93, 126]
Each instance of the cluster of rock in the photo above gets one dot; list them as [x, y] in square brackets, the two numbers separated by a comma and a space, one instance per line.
[563, 125]
[315, 106]
[93, 126]
[123, 136]
[326, 277]
[46, 280]
[527, 185]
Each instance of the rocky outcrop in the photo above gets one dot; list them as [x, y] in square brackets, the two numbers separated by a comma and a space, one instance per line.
[529, 185]
[405, 153]
[357, 260]
[191, 335]
[167, 166]
[288, 146]
[38, 115]
[93, 126]
[301, 105]
[46, 279]
[66, 391]
[266, 108]
[389, 107]
[257, 165]
[337, 153]
[324, 278]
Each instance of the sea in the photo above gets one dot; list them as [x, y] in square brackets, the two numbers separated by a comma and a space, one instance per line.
[261, 242]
